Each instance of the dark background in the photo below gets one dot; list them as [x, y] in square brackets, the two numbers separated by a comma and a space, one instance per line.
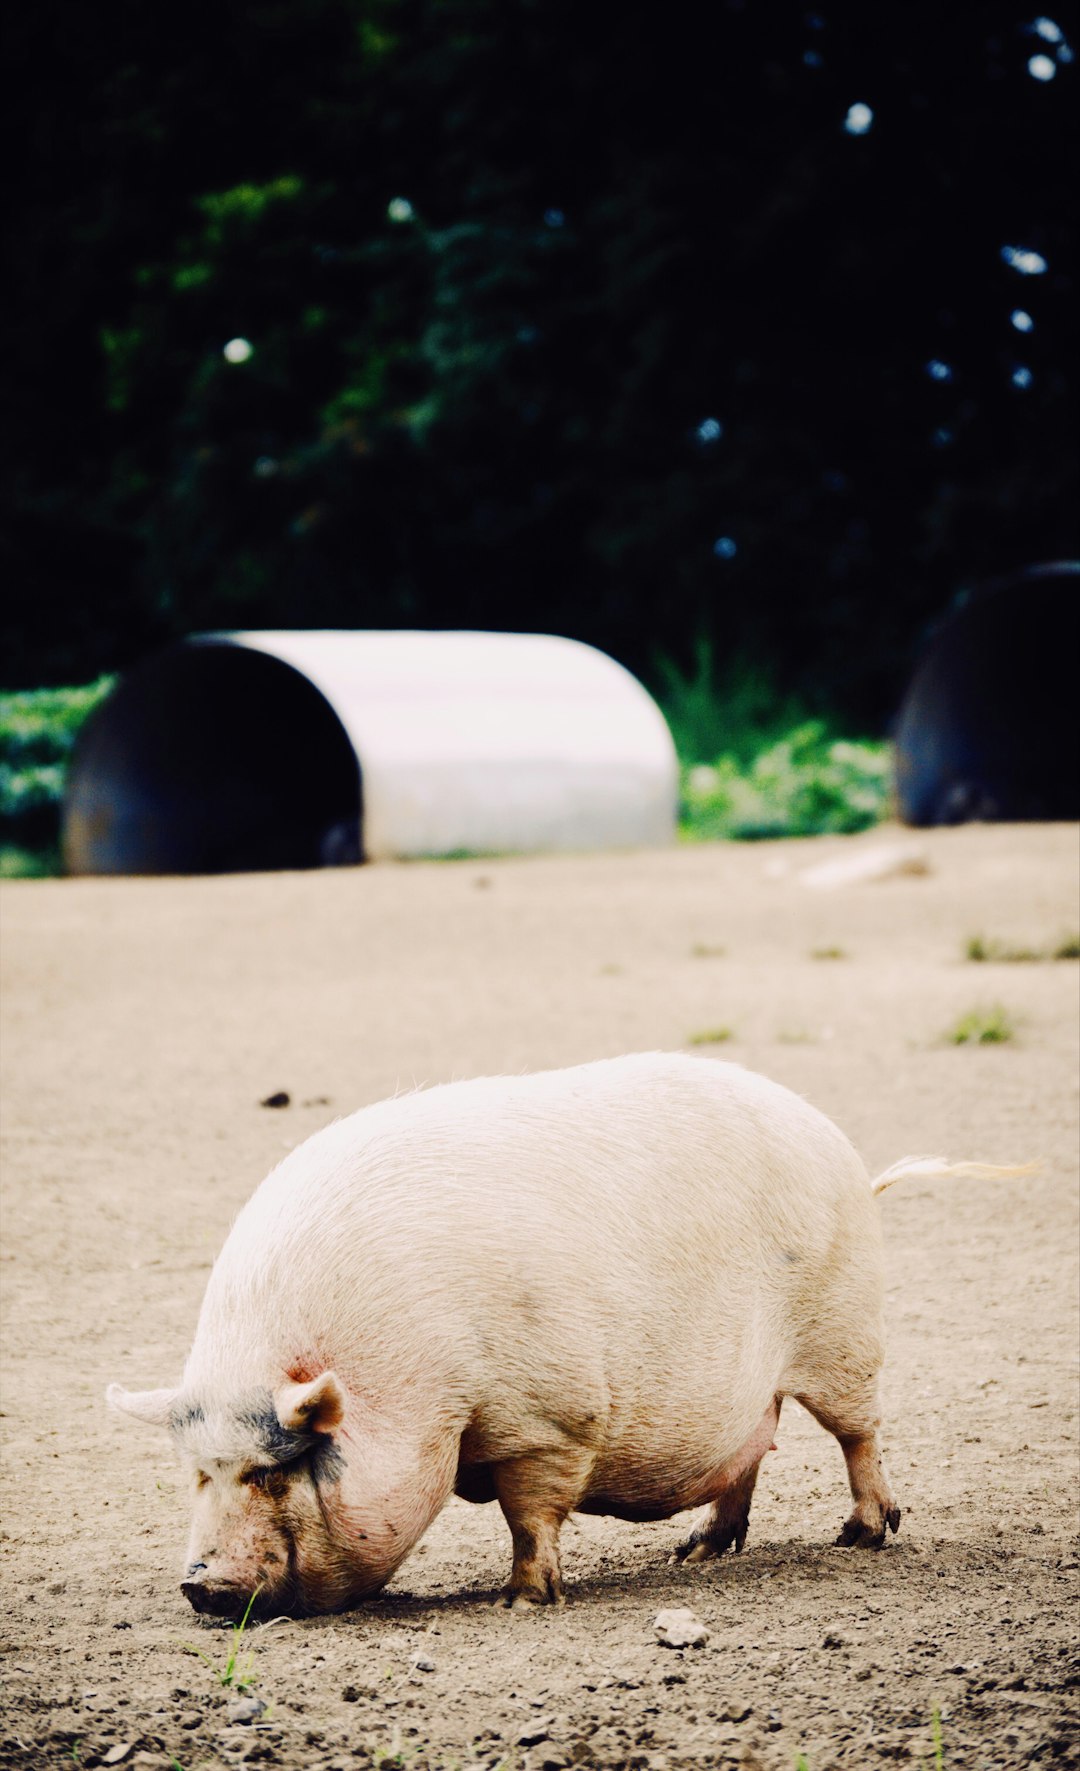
[495, 411]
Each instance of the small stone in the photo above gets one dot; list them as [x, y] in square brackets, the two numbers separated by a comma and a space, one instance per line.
[423, 1663]
[832, 1640]
[118, 1753]
[535, 1731]
[679, 1627]
[280, 1098]
[735, 1710]
[245, 1709]
[773, 1722]
[189, 1719]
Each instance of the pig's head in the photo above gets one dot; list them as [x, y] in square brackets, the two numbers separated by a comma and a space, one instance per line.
[270, 1515]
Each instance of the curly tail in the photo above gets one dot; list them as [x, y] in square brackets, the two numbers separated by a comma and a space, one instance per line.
[932, 1166]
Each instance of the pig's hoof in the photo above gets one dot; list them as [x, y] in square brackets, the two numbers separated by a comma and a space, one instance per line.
[702, 1546]
[858, 1535]
[524, 1598]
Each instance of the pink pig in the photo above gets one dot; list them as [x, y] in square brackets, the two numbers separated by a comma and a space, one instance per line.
[587, 1290]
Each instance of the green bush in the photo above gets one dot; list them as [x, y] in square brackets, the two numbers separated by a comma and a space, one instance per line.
[38, 728]
[729, 709]
[804, 784]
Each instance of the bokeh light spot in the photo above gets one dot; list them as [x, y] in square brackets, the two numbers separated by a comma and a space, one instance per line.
[238, 350]
[1024, 260]
[725, 548]
[710, 430]
[859, 119]
[1022, 320]
[399, 209]
[1041, 67]
[939, 371]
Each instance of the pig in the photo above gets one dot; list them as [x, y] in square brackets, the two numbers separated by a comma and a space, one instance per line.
[584, 1290]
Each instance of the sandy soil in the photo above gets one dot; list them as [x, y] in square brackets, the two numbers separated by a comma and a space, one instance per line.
[144, 1021]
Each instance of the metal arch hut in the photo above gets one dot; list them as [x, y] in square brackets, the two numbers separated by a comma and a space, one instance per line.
[246, 751]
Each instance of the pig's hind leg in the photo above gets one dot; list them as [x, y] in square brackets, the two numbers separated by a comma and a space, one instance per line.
[724, 1526]
[536, 1492]
[854, 1419]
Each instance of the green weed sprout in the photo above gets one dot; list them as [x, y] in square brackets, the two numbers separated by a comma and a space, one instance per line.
[238, 1673]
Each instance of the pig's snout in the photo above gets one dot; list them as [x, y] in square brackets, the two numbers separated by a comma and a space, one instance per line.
[214, 1598]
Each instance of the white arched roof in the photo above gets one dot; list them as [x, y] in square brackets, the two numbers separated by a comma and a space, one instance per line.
[490, 742]
[232, 751]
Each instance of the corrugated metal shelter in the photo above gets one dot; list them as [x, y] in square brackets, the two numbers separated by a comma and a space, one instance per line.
[240, 751]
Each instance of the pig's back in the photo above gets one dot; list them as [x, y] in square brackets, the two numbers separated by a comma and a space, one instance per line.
[617, 1229]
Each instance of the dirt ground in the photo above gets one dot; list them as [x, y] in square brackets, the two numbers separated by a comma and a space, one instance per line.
[145, 1021]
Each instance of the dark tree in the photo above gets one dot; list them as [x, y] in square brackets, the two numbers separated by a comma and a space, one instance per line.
[743, 323]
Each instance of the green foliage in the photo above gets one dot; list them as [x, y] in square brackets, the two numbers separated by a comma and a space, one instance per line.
[716, 709]
[804, 784]
[22, 863]
[711, 1036]
[686, 384]
[38, 729]
[983, 1026]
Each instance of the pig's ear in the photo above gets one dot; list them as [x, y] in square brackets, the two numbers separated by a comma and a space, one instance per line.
[316, 1407]
[152, 1406]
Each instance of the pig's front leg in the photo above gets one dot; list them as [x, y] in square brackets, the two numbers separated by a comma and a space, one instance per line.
[536, 1492]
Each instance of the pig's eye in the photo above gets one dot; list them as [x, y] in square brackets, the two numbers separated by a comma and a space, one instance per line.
[201, 1478]
[270, 1478]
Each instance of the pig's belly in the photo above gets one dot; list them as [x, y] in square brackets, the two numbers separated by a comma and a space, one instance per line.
[687, 1478]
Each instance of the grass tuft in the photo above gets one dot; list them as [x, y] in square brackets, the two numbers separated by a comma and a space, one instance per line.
[712, 1036]
[983, 1026]
[828, 953]
[238, 1673]
[983, 951]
